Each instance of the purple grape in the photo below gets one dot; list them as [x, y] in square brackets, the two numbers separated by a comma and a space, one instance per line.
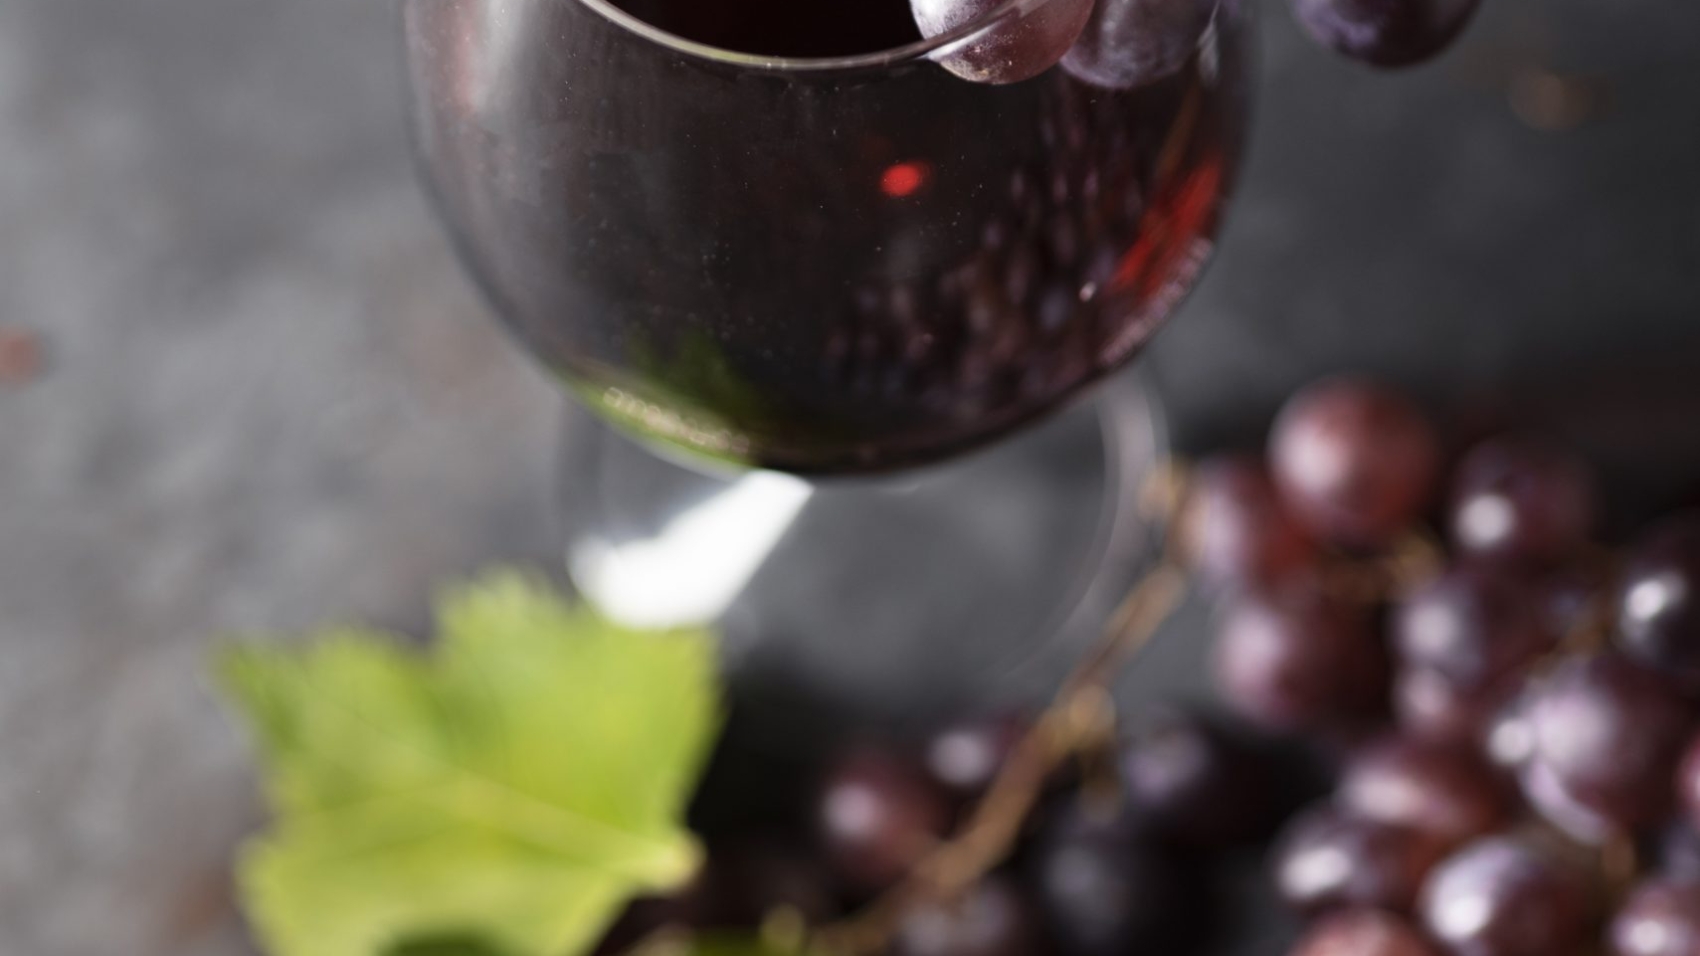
[1519, 501]
[1386, 33]
[1502, 896]
[1473, 627]
[1106, 889]
[1363, 933]
[1298, 660]
[1446, 790]
[1355, 461]
[965, 757]
[1660, 918]
[1611, 733]
[1234, 527]
[991, 919]
[1658, 606]
[1019, 46]
[1129, 43]
[1329, 858]
[878, 814]
[1199, 784]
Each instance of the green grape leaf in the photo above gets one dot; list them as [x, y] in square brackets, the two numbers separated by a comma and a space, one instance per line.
[513, 788]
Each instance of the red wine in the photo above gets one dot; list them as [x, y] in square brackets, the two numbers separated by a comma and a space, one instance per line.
[783, 27]
[813, 269]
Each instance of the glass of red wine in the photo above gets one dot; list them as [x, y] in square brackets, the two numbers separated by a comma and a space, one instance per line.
[823, 257]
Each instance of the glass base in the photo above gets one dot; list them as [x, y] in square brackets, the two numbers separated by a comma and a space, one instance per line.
[974, 581]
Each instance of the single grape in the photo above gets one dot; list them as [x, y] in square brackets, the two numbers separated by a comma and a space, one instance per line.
[1234, 527]
[1386, 33]
[1612, 733]
[1019, 46]
[1658, 605]
[1363, 933]
[990, 919]
[1355, 461]
[1107, 889]
[1129, 43]
[1660, 918]
[1504, 896]
[1472, 626]
[1447, 790]
[1329, 858]
[1297, 660]
[877, 815]
[1200, 784]
[1520, 501]
[965, 756]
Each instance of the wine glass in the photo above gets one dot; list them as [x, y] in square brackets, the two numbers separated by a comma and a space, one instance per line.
[770, 240]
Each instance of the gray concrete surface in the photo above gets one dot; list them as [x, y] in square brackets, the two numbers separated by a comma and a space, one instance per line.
[269, 397]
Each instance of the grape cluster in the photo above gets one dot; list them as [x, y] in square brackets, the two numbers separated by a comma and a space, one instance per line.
[1122, 44]
[1512, 715]
[1116, 859]
[1503, 711]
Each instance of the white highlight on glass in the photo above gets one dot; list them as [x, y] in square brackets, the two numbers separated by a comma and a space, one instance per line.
[692, 570]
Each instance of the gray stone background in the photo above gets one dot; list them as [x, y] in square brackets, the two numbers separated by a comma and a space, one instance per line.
[266, 396]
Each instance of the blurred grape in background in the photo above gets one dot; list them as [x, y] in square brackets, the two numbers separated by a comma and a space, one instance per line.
[243, 386]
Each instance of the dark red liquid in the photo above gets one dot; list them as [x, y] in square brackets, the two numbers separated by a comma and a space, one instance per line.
[813, 270]
[800, 28]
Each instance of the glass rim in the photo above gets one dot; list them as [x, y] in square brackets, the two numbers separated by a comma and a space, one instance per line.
[893, 56]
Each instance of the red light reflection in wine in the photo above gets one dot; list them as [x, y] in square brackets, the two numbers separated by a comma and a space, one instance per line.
[904, 179]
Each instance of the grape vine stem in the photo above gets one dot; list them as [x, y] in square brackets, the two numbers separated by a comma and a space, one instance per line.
[1078, 718]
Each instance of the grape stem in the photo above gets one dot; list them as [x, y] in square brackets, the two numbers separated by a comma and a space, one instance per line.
[1079, 718]
[1406, 564]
